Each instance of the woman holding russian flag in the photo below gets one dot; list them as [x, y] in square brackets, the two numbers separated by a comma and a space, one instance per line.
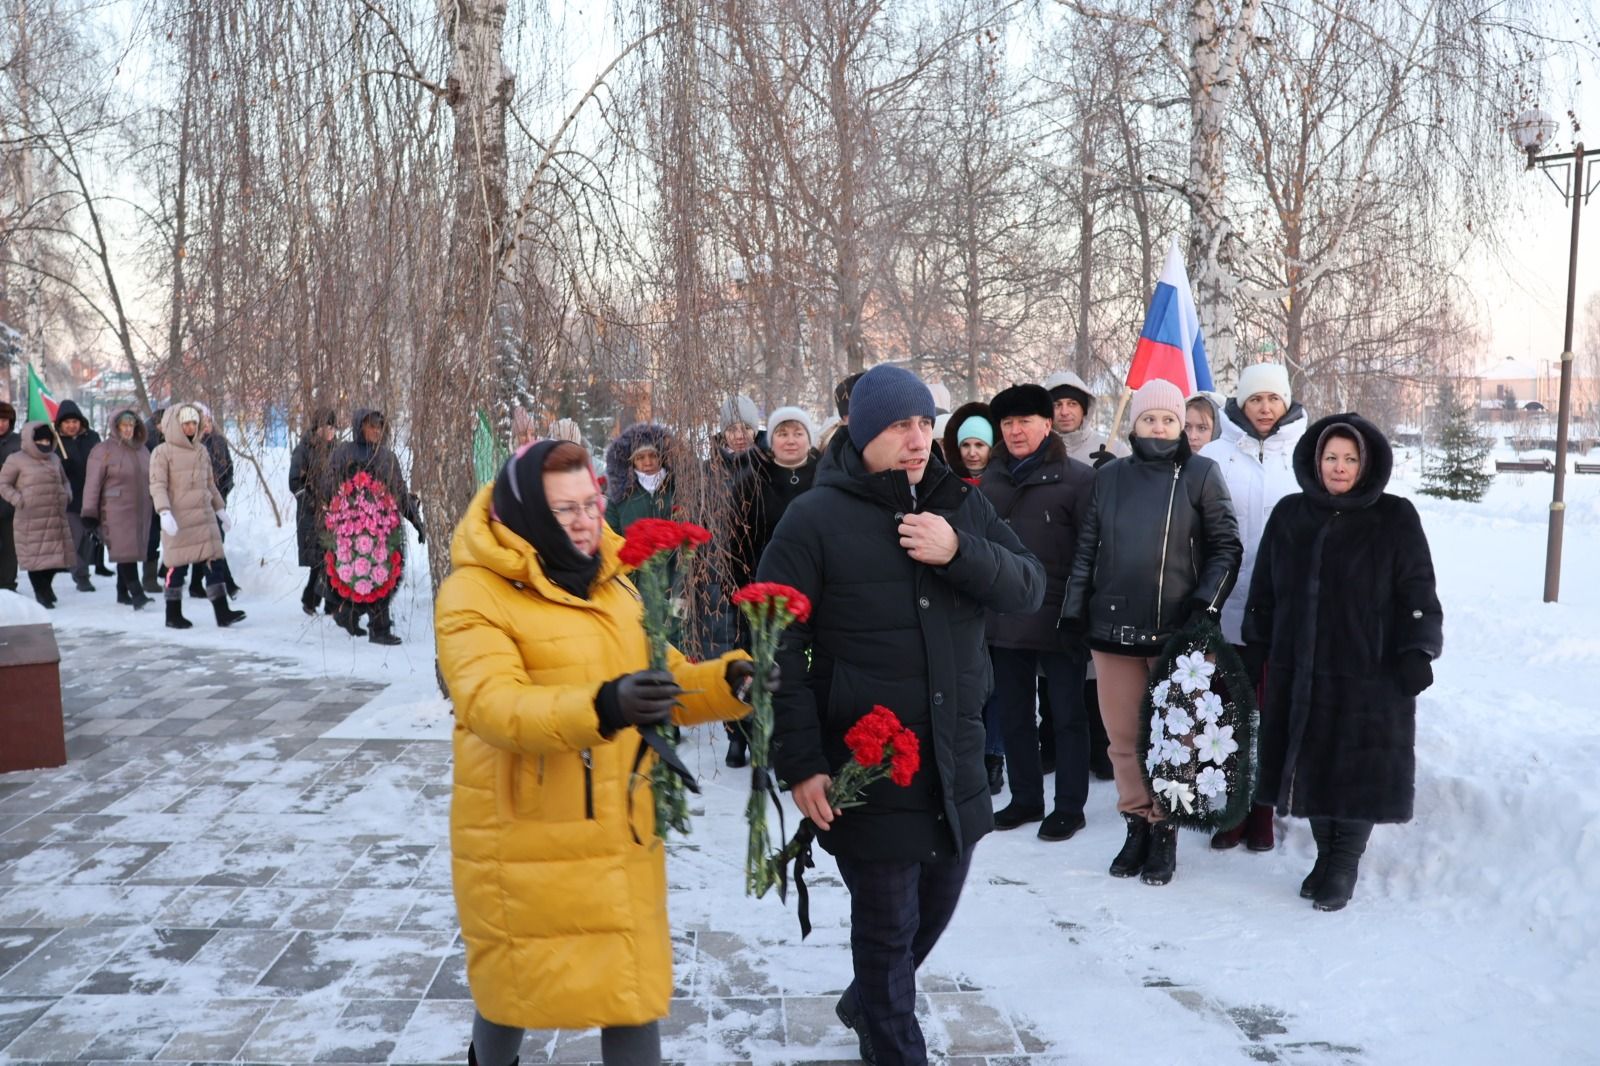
[1159, 543]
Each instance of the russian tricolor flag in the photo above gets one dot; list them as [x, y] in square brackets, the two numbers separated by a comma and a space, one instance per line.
[1170, 345]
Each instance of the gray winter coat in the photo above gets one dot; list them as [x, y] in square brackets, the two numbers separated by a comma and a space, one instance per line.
[116, 490]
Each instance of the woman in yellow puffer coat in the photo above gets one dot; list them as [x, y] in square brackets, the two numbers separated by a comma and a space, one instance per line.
[560, 881]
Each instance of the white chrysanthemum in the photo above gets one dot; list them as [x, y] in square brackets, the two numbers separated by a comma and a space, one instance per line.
[1193, 673]
[1158, 730]
[1152, 758]
[1158, 695]
[1215, 744]
[1179, 724]
[1175, 754]
[1209, 708]
[1212, 783]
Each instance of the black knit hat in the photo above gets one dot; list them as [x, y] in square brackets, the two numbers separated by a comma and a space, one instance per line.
[841, 394]
[1019, 401]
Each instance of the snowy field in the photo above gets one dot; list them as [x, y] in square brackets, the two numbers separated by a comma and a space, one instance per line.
[1474, 935]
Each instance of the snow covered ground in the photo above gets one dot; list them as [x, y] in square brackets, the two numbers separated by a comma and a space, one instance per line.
[1475, 932]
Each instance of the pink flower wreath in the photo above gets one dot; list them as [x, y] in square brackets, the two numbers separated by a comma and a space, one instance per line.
[363, 538]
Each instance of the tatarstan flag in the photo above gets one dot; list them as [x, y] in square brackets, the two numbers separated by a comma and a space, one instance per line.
[41, 407]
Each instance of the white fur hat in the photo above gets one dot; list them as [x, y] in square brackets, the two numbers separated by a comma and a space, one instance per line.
[1263, 377]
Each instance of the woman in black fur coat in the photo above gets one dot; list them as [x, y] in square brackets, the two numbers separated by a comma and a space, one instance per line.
[1343, 606]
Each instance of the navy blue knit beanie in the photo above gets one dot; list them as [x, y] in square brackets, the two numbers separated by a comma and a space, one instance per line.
[884, 395]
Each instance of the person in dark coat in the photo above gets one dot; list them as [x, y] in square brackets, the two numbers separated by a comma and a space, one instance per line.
[1043, 496]
[778, 471]
[1159, 543]
[216, 446]
[901, 559]
[152, 573]
[1343, 609]
[309, 480]
[366, 451]
[77, 441]
[10, 444]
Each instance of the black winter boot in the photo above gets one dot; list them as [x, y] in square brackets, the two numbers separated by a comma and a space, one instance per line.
[129, 590]
[846, 1009]
[349, 621]
[1162, 862]
[472, 1057]
[123, 595]
[152, 583]
[82, 584]
[197, 588]
[175, 618]
[1322, 833]
[1017, 813]
[1135, 849]
[312, 594]
[383, 629]
[738, 749]
[996, 767]
[226, 615]
[1339, 882]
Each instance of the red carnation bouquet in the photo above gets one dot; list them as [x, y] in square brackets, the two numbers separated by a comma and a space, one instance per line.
[880, 747]
[648, 548]
[362, 535]
[770, 608]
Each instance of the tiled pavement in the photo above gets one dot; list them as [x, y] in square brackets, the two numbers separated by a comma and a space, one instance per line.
[208, 880]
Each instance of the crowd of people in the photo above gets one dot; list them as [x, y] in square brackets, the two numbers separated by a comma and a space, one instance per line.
[1001, 576]
[151, 498]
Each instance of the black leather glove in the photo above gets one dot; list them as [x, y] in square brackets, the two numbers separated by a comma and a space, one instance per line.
[741, 677]
[90, 523]
[1416, 671]
[645, 697]
[1255, 661]
[1100, 457]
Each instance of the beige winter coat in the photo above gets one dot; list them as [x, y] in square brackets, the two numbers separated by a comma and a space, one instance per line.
[181, 481]
[116, 490]
[35, 483]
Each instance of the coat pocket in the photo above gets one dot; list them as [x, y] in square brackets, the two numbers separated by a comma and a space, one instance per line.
[546, 788]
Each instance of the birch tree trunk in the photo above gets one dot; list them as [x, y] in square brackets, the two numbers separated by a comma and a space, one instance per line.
[1215, 53]
[456, 381]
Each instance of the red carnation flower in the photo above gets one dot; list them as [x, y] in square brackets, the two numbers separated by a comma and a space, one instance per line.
[905, 759]
[762, 593]
[649, 536]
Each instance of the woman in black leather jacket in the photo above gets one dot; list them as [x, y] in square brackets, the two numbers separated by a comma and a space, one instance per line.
[1159, 543]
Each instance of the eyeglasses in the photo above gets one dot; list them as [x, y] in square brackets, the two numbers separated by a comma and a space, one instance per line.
[568, 513]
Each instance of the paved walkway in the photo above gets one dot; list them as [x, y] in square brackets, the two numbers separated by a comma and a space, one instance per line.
[209, 880]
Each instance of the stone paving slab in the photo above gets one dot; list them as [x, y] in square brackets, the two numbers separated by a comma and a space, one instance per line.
[210, 880]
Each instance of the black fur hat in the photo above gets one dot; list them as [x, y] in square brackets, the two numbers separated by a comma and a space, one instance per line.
[1019, 401]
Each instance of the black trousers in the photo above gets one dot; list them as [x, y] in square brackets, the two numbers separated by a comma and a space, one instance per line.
[8, 556]
[1014, 687]
[898, 911]
[208, 575]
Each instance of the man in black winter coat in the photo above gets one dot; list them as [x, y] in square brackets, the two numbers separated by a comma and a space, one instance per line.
[1043, 495]
[367, 451]
[77, 441]
[222, 469]
[900, 558]
[10, 443]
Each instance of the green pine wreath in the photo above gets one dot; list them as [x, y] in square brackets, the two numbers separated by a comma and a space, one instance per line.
[1218, 741]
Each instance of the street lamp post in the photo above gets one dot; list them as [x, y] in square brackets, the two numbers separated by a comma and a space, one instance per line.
[1529, 133]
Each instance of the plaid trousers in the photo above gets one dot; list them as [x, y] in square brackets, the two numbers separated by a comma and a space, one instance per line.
[898, 911]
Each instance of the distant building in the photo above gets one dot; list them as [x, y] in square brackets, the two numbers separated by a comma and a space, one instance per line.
[1514, 389]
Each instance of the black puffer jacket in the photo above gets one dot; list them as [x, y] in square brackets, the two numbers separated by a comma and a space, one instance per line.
[1046, 511]
[77, 449]
[767, 490]
[1342, 586]
[1159, 540]
[10, 443]
[221, 461]
[310, 478]
[887, 630]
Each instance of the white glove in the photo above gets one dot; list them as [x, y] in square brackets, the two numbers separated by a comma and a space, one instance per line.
[169, 525]
[227, 523]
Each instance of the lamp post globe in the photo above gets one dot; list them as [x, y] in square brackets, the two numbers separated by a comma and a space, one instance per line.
[1531, 131]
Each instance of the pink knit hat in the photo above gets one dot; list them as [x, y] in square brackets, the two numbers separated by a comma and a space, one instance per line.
[1157, 394]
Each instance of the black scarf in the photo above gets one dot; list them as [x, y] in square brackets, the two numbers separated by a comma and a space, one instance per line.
[520, 506]
[1156, 450]
[1021, 468]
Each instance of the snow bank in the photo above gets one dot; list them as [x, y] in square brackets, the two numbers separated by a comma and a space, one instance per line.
[18, 610]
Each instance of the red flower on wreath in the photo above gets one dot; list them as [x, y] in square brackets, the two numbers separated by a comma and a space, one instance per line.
[763, 593]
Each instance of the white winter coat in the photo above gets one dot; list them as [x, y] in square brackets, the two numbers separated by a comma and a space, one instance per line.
[1259, 474]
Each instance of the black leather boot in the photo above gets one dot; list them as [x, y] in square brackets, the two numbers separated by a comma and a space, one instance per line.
[847, 1011]
[995, 765]
[197, 588]
[123, 595]
[383, 628]
[349, 621]
[1344, 861]
[1135, 849]
[738, 750]
[1322, 833]
[1162, 861]
[152, 582]
[128, 586]
[472, 1057]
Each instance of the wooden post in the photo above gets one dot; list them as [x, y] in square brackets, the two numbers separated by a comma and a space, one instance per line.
[1116, 421]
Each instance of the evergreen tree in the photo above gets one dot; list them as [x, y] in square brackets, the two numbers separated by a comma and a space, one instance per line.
[1456, 471]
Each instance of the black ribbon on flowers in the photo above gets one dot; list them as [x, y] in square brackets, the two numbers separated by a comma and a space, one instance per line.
[667, 752]
[761, 780]
[798, 852]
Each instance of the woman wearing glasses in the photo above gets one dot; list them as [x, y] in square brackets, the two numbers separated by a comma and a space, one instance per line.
[560, 880]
